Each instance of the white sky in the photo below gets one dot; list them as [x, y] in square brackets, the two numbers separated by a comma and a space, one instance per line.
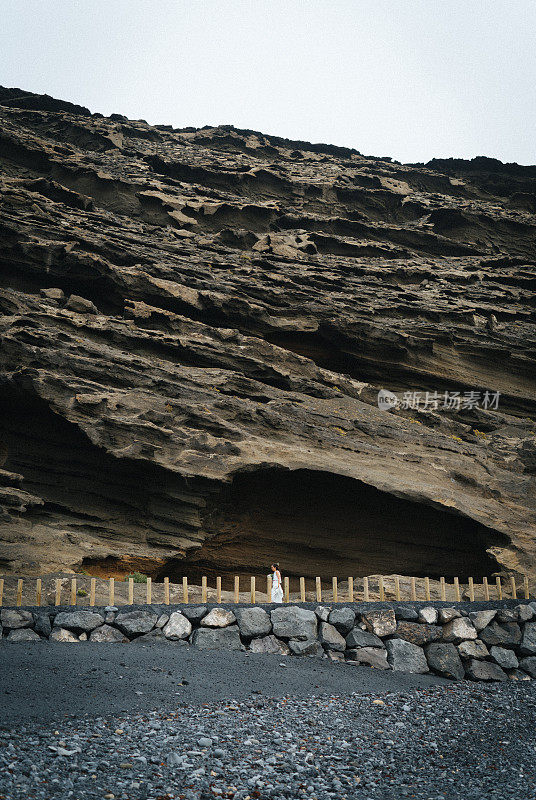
[412, 79]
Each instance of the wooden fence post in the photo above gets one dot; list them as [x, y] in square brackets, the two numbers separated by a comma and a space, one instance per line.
[365, 589]
[499, 588]
[350, 590]
[269, 588]
[131, 591]
[166, 591]
[38, 592]
[149, 591]
[57, 599]
[318, 590]
[525, 587]
[457, 589]
[513, 587]
[218, 589]
[413, 589]
[286, 585]
[252, 590]
[442, 588]
[111, 591]
[1, 591]
[486, 588]
[237, 589]
[335, 590]
[204, 589]
[302, 590]
[185, 590]
[73, 592]
[397, 587]
[381, 589]
[92, 587]
[427, 588]
[471, 590]
[19, 591]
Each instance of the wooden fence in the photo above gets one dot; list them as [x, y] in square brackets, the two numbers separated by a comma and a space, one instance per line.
[376, 588]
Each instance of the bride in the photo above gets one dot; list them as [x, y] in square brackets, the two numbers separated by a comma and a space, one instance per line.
[277, 591]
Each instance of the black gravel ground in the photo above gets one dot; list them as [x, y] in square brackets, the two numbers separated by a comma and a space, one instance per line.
[168, 722]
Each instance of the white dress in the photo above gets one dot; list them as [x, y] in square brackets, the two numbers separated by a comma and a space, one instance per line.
[277, 591]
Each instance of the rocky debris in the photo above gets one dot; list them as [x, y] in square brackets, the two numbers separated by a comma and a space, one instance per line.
[445, 660]
[294, 623]
[270, 644]
[134, 623]
[406, 657]
[381, 622]
[177, 627]
[253, 623]
[217, 638]
[218, 618]
[235, 302]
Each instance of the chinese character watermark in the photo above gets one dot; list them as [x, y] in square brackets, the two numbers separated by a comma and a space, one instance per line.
[433, 401]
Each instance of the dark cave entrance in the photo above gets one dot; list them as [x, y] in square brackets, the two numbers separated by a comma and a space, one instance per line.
[318, 523]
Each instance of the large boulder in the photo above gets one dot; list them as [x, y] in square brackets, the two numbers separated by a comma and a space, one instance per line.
[294, 623]
[343, 619]
[448, 614]
[372, 656]
[407, 613]
[418, 633]
[42, 624]
[361, 638]
[218, 618]
[473, 649]
[529, 665]
[269, 644]
[217, 638]
[107, 634]
[459, 629]
[63, 635]
[382, 622]
[194, 613]
[528, 642]
[507, 634]
[16, 618]
[405, 656]
[134, 623]
[504, 658]
[484, 671]
[330, 638]
[429, 615]
[311, 647]
[524, 612]
[253, 622]
[78, 620]
[23, 635]
[177, 627]
[444, 659]
[482, 619]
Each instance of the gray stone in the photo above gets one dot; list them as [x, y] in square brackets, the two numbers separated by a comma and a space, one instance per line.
[528, 642]
[418, 633]
[81, 305]
[343, 619]
[529, 665]
[269, 644]
[505, 635]
[52, 293]
[481, 619]
[311, 647]
[63, 635]
[473, 649]
[361, 638]
[204, 741]
[109, 617]
[82, 637]
[162, 620]
[504, 658]
[16, 618]
[217, 638]
[372, 656]
[330, 637]
[294, 623]
[448, 614]
[194, 613]
[381, 622]
[107, 634]
[323, 612]
[444, 659]
[253, 622]
[458, 629]
[78, 620]
[405, 656]
[524, 612]
[406, 613]
[517, 675]
[177, 627]
[484, 671]
[42, 624]
[134, 623]
[507, 615]
[218, 618]
[22, 635]
[429, 615]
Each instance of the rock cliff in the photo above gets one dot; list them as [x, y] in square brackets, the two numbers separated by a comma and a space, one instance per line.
[195, 325]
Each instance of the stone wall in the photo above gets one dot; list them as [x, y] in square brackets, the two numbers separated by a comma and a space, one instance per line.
[477, 641]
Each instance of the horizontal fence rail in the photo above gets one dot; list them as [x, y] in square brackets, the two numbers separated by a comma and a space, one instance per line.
[91, 591]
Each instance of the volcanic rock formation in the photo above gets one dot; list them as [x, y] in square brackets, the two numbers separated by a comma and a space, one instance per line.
[194, 328]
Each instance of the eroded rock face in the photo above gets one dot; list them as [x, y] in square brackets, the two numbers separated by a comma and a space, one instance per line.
[195, 325]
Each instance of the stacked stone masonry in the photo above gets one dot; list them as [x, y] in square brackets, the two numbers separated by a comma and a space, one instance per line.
[489, 644]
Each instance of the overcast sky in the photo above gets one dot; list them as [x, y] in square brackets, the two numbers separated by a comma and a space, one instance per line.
[412, 79]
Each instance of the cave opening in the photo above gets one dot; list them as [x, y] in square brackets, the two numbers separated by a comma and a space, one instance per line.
[321, 524]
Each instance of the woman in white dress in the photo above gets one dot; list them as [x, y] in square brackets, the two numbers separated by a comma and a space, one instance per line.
[277, 589]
